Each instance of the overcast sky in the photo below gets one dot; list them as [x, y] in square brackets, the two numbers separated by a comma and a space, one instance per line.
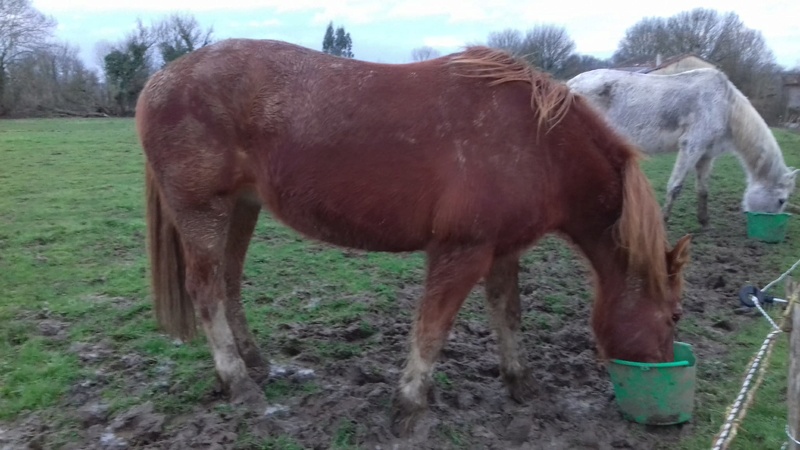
[387, 30]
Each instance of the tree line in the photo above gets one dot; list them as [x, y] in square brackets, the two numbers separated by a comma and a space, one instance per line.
[40, 76]
[720, 38]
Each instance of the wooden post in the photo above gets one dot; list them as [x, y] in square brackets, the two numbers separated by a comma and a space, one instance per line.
[793, 395]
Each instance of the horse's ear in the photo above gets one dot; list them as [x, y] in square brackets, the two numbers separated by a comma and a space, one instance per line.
[679, 255]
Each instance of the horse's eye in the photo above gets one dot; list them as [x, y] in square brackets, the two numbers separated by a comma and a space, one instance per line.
[676, 317]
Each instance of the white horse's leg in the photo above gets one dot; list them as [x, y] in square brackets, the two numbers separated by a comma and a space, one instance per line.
[686, 159]
[703, 168]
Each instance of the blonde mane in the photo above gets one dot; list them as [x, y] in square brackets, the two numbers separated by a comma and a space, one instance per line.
[549, 99]
[640, 229]
[755, 143]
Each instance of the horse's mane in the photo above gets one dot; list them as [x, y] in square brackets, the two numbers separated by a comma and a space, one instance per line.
[549, 99]
[754, 140]
[640, 229]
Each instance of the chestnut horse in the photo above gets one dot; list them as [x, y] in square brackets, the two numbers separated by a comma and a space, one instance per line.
[470, 158]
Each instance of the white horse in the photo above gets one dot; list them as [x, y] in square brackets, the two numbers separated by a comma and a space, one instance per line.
[700, 114]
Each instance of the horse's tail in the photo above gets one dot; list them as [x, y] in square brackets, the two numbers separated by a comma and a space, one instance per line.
[173, 306]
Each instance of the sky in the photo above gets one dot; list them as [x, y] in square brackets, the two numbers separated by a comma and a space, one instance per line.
[388, 30]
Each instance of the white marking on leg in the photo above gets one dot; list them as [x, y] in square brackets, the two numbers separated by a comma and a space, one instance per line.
[223, 346]
[509, 354]
[417, 372]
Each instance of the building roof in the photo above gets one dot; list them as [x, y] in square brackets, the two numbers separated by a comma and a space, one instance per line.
[647, 64]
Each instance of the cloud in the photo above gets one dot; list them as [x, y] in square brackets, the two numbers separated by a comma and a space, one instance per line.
[596, 27]
[268, 23]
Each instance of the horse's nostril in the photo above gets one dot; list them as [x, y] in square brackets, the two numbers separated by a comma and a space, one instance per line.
[782, 201]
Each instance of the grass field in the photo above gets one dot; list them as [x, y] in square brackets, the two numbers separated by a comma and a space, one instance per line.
[73, 268]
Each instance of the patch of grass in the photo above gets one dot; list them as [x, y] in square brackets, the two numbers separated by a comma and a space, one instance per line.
[35, 378]
[346, 436]
[279, 390]
[249, 442]
[459, 438]
[442, 381]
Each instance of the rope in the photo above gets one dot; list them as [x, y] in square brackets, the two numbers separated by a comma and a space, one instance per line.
[745, 397]
[784, 275]
[738, 409]
[764, 313]
[789, 435]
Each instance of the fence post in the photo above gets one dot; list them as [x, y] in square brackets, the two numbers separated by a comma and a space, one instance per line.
[793, 394]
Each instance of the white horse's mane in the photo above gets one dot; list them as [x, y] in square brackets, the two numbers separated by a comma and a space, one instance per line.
[755, 144]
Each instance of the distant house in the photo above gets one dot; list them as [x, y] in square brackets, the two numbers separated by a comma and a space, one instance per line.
[675, 64]
[791, 92]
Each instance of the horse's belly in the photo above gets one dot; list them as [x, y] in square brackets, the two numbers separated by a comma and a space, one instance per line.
[391, 226]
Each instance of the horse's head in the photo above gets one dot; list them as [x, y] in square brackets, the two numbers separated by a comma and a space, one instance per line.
[770, 196]
[640, 326]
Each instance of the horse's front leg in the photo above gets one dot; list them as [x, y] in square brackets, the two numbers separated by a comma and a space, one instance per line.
[703, 170]
[451, 275]
[505, 315]
[683, 163]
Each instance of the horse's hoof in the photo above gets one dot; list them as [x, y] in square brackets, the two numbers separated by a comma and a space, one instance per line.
[521, 386]
[253, 359]
[259, 374]
[247, 393]
[405, 416]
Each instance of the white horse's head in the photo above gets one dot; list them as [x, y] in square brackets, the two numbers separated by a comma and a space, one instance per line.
[770, 196]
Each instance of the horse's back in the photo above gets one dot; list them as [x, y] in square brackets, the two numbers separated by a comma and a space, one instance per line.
[657, 111]
[394, 155]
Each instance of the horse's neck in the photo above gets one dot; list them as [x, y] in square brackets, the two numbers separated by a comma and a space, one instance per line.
[753, 141]
[608, 263]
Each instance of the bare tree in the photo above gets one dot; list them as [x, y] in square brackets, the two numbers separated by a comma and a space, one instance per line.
[128, 66]
[646, 39]
[577, 64]
[180, 34]
[547, 47]
[509, 40]
[722, 39]
[423, 53]
[23, 30]
[52, 80]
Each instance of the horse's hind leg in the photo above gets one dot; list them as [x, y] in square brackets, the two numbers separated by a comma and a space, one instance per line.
[204, 230]
[683, 163]
[703, 169]
[451, 275]
[242, 224]
[505, 314]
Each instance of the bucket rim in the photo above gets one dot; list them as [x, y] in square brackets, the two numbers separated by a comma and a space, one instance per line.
[644, 365]
[622, 362]
[756, 213]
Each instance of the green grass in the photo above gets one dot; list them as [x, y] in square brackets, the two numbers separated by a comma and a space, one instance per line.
[72, 250]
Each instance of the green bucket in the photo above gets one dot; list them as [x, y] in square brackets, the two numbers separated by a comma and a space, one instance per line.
[767, 227]
[656, 393]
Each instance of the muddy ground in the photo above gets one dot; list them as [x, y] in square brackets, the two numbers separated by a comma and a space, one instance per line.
[350, 403]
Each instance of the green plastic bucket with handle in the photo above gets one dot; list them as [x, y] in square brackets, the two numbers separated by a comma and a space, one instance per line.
[767, 227]
[656, 393]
